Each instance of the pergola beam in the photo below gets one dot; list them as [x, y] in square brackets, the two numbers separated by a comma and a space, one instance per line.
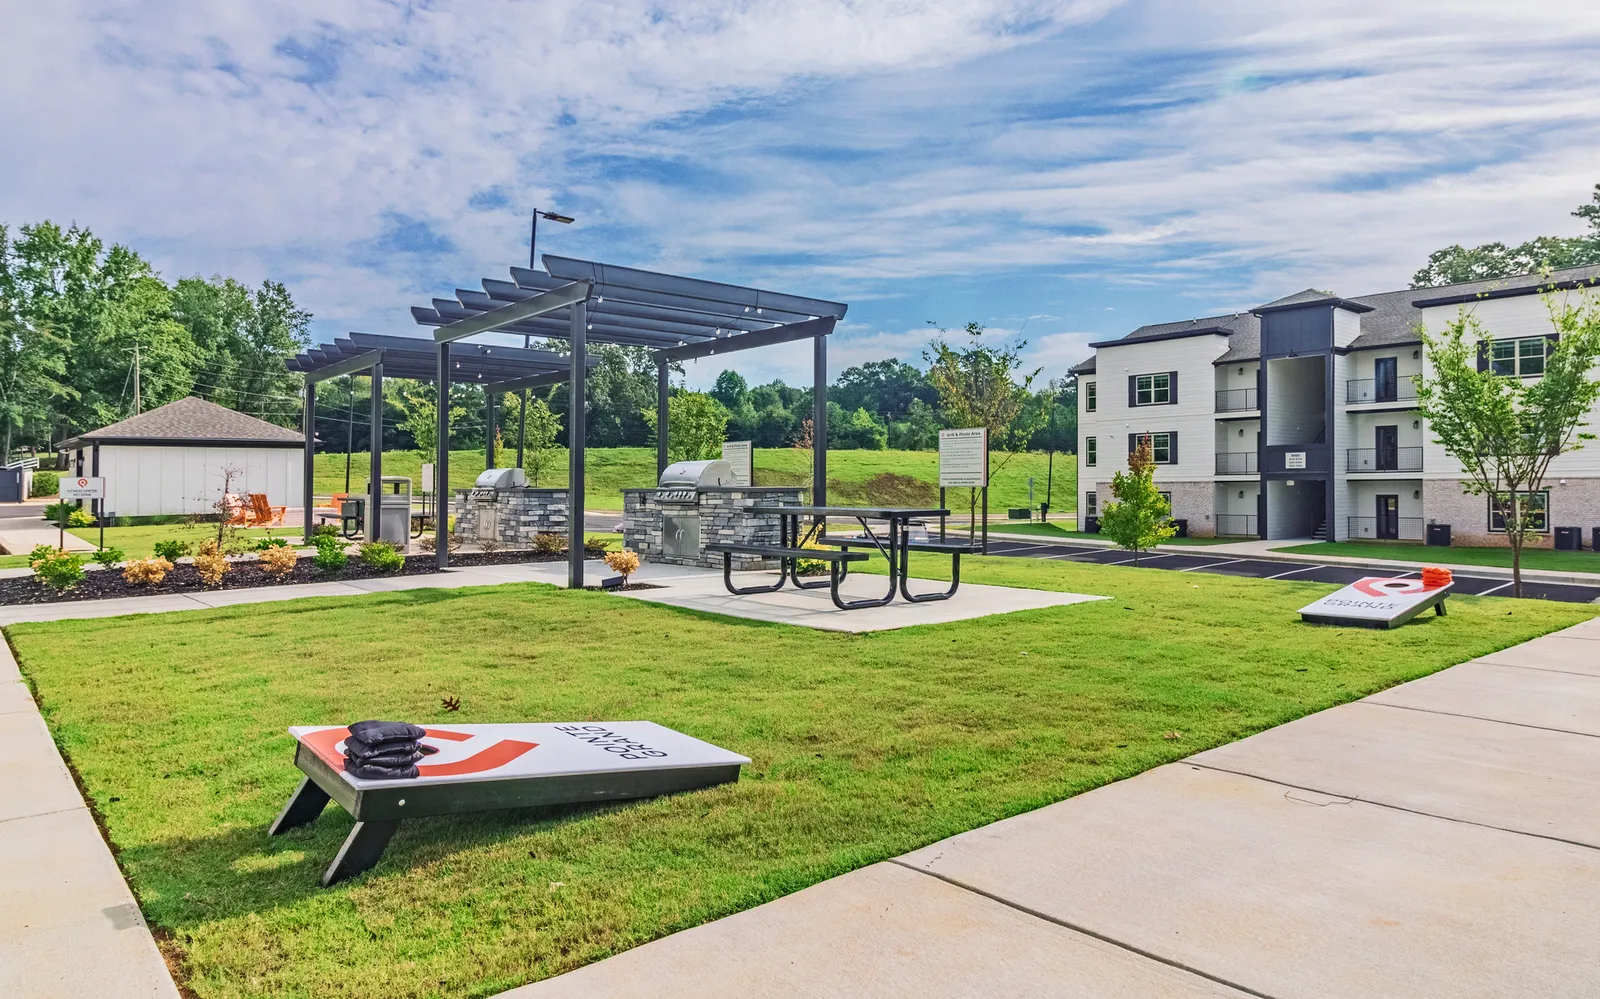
[745, 341]
[347, 366]
[516, 312]
[531, 381]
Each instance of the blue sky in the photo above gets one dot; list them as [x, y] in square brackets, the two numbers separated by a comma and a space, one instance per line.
[1066, 169]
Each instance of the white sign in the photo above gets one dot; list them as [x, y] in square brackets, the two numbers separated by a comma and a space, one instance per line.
[500, 752]
[1294, 459]
[81, 488]
[739, 456]
[426, 483]
[964, 457]
[1375, 602]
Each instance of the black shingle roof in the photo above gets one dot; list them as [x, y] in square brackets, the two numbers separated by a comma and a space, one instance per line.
[192, 420]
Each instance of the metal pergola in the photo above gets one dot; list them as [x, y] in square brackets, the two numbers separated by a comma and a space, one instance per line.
[498, 369]
[679, 318]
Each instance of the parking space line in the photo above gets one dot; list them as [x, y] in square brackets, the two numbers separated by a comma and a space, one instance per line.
[1291, 572]
[1212, 565]
[1141, 560]
[1484, 593]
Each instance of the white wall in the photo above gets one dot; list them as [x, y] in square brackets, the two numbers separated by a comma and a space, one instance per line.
[1346, 327]
[1192, 416]
[146, 481]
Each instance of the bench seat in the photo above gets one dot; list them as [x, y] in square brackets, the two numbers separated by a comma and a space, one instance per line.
[937, 547]
[779, 551]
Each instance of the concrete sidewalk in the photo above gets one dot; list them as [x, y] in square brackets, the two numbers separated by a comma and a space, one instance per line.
[1441, 838]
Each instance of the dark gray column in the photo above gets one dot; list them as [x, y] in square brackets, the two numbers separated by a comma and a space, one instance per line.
[663, 397]
[577, 430]
[441, 464]
[522, 425]
[819, 422]
[309, 425]
[375, 455]
[488, 429]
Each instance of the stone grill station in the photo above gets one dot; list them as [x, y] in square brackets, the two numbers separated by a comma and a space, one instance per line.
[694, 504]
[501, 507]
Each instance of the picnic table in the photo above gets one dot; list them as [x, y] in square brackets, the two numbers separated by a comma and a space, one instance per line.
[894, 543]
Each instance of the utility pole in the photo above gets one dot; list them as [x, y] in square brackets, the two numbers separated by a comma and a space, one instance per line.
[137, 402]
[349, 430]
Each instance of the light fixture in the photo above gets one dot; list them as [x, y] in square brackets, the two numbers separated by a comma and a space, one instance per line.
[1416, 494]
[1416, 424]
[1241, 494]
[1289, 482]
[557, 217]
[1241, 431]
[1416, 354]
[589, 326]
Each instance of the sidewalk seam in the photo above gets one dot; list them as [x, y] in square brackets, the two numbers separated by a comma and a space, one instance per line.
[1541, 669]
[37, 815]
[1497, 721]
[1130, 948]
[1384, 804]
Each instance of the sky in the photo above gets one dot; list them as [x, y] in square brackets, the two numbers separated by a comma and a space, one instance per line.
[1061, 171]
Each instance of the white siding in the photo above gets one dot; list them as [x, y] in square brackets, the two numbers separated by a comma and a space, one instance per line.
[146, 481]
[1191, 416]
[1346, 327]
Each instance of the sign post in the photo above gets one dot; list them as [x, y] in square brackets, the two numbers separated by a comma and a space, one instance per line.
[964, 462]
[79, 488]
[738, 455]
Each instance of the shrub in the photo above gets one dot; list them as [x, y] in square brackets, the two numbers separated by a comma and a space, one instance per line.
[594, 547]
[211, 564]
[331, 556]
[109, 557]
[428, 544]
[279, 560]
[75, 516]
[324, 530]
[382, 556]
[812, 566]
[146, 571]
[623, 563]
[45, 484]
[489, 546]
[59, 570]
[172, 550]
[262, 544]
[549, 543]
[40, 553]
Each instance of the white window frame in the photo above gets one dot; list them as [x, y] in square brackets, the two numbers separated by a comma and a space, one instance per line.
[1164, 444]
[1090, 397]
[1091, 504]
[1091, 452]
[1495, 514]
[1522, 358]
[1145, 385]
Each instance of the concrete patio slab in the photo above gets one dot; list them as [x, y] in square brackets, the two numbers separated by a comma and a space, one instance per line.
[1294, 893]
[703, 590]
[1556, 652]
[882, 931]
[16, 539]
[1509, 776]
[1564, 701]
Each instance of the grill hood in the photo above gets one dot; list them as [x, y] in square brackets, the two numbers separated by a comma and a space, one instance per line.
[697, 474]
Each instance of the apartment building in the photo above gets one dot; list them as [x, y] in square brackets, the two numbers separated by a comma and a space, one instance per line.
[1298, 418]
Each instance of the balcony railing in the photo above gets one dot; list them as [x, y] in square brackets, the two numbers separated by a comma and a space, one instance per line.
[1237, 463]
[1237, 525]
[1371, 390]
[1236, 400]
[1389, 529]
[1400, 459]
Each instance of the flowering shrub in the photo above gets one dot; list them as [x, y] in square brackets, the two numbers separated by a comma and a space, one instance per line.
[59, 570]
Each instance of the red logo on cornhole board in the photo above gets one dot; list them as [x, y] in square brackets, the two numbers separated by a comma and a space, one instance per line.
[1390, 587]
[326, 745]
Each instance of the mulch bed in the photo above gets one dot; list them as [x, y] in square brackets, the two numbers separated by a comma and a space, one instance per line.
[102, 584]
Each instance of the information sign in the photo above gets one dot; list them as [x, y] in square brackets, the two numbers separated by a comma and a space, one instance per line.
[1294, 459]
[82, 488]
[425, 480]
[964, 458]
[739, 456]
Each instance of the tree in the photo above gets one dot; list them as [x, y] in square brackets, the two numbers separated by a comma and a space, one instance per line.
[977, 389]
[539, 447]
[859, 430]
[696, 426]
[1458, 265]
[1139, 518]
[1505, 430]
[730, 390]
[919, 431]
[887, 388]
[33, 361]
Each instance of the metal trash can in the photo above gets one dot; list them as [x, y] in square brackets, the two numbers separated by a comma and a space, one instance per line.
[1182, 523]
[1594, 539]
[1439, 535]
[394, 510]
[1569, 539]
[1091, 525]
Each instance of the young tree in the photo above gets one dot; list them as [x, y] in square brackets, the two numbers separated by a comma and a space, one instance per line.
[1505, 430]
[696, 426]
[1139, 518]
[539, 447]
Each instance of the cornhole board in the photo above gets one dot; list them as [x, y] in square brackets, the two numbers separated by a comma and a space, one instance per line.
[484, 767]
[1376, 602]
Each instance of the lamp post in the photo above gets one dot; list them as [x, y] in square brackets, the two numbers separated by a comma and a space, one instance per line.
[527, 341]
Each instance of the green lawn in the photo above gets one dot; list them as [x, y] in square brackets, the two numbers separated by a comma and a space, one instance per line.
[139, 542]
[1054, 531]
[610, 470]
[864, 746]
[1532, 558]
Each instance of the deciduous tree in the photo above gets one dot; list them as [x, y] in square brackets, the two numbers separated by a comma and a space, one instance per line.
[1139, 517]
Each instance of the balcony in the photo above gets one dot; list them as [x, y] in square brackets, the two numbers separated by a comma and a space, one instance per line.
[1236, 400]
[1400, 459]
[1385, 529]
[1237, 525]
[1237, 463]
[1365, 390]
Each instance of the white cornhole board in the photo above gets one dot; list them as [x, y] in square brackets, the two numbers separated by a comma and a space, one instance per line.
[1376, 602]
[486, 767]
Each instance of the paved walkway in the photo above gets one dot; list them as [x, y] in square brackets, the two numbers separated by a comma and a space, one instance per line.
[1441, 838]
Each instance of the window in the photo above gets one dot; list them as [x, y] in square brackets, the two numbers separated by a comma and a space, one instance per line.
[1163, 446]
[1152, 390]
[1088, 397]
[1090, 508]
[1091, 452]
[1520, 358]
[1538, 509]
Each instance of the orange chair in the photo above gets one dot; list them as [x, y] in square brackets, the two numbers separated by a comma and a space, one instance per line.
[265, 513]
[235, 509]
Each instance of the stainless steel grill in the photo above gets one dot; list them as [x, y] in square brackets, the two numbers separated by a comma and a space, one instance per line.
[682, 481]
[485, 492]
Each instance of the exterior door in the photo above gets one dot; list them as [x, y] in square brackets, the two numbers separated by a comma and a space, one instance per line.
[1387, 449]
[1385, 380]
[1389, 518]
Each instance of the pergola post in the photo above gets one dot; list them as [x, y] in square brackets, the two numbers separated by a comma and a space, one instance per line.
[488, 429]
[577, 431]
[375, 455]
[441, 463]
[310, 426]
[819, 421]
[663, 397]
